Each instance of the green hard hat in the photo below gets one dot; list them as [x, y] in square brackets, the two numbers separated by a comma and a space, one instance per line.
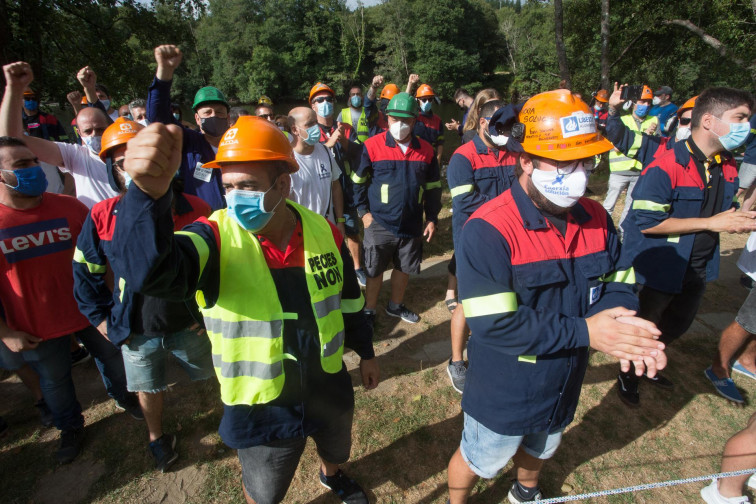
[402, 105]
[208, 94]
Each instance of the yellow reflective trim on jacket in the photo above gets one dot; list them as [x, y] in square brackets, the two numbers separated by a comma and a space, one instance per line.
[530, 359]
[200, 245]
[626, 161]
[352, 305]
[503, 302]
[95, 269]
[121, 288]
[357, 179]
[432, 185]
[459, 190]
[673, 238]
[384, 193]
[420, 195]
[651, 206]
[622, 276]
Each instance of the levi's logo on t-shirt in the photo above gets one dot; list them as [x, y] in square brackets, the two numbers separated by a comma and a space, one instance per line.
[34, 240]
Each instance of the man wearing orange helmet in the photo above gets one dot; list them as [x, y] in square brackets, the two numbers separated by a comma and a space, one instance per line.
[541, 281]
[599, 109]
[146, 328]
[428, 125]
[277, 292]
[623, 167]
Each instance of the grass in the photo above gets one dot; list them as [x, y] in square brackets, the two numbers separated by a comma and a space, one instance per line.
[404, 432]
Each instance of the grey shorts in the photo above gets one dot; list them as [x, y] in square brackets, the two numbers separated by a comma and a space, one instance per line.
[746, 316]
[267, 470]
[382, 246]
[746, 175]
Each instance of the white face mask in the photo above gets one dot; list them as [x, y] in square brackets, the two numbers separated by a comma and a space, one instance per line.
[400, 131]
[656, 100]
[564, 190]
[682, 133]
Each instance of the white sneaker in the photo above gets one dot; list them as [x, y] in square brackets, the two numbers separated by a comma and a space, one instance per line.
[752, 481]
[711, 495]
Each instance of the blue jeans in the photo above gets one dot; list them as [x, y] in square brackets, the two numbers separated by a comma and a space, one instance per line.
[108, 359]
[52, 361]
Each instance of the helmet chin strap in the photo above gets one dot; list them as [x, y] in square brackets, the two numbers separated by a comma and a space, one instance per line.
[111, 178]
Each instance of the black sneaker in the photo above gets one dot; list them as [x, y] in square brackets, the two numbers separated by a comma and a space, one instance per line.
[80, 356]
[131, 405]
[627, 388]
[45, 415]
[403, 313]
[164, 452]
[70, 445]
[456, 371]
[347, 490]
[361, 277]
[660, 381]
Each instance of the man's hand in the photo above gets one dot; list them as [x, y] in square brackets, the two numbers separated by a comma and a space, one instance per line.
[377, 81]
[430, 230]
[618, 332]
[370, 373]
[153, 156]
[413, 79]
[198, 329]
[168, 58]
[367, 219]
[18, 341]
[74, 98]
[651, 128]
[733, 222]
[103, 328]
[452, 125]
[615, 101]
[87, 78]
[335, 136]
[18, 75]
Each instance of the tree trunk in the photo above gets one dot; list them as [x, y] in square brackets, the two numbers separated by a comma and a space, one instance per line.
[564, 71]
[605, 82]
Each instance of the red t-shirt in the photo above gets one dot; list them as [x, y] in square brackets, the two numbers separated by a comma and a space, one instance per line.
[36, 287]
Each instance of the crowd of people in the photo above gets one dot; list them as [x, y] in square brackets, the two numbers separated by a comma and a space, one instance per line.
[242, 244]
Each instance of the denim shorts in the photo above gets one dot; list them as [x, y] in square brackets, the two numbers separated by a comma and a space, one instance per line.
[351, 223]
[746, 316]
[145, 357]
[746, 175]
[9, 359]
[487, 452]
[267, 470]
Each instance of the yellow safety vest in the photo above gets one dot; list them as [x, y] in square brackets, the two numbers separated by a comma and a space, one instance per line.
[362, 124]
[245, 326]
[620, 162]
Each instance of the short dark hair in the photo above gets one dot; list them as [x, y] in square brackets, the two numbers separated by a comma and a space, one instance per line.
[460, 93]
[9, 141]
[490, 107]
[101, 87]
[262, 106]
[718, 100]
[237, 112]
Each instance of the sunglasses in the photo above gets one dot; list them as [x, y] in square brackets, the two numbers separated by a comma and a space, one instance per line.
[266, 116]
[425, 100]
[119, 164]
[567, 167]
[322, 99]
[684, 121]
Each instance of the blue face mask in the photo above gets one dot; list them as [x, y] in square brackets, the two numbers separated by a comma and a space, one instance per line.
[247, 208]
[425, 107]
[31, 104]
[641, 110]
[325, 109]
[93, 143]
[177, 117]
[126, 179]
[356, 101]
[736, 136]
[106, 104]
[129, 117]
[313, 135]
[30, 181]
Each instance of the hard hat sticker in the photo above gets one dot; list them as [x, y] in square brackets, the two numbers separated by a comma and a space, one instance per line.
[230, 137]
[577, 123]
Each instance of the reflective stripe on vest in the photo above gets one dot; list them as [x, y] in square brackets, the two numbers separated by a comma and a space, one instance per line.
[362, 125]
[245, 326]
[621, 162]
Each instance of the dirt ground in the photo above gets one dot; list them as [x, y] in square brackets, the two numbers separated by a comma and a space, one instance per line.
[405, 430]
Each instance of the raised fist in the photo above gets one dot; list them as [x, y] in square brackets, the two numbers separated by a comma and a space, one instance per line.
[18, 75]
[168, 56]
[87, 77]
[377, 81]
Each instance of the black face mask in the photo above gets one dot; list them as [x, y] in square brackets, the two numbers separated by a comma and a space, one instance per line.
[383, 104]
[214, 126]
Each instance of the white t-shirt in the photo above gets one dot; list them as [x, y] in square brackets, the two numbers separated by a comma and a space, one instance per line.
[747, 259]
[54, 182]
[311, 185]
[89, 172]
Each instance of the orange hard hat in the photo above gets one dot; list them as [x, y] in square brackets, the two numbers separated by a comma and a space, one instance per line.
[424, 91]
[253, 138]
[687, 106]
[388, 91]
[121, 131]
[318, 88]
[84, 100]
[647, 94]
[560, 126]
[602, 96]
[29, 92]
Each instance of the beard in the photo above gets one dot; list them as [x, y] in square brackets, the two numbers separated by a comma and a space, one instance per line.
[543, 202]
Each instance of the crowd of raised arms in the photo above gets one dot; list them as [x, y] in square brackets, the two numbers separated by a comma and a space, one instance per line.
[252, 246]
